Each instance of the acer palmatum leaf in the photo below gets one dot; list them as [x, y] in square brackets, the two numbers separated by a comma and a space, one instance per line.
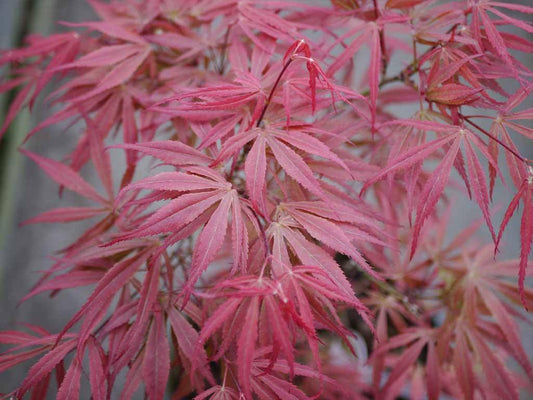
[526, 226]
[65, 176]
[247, 265]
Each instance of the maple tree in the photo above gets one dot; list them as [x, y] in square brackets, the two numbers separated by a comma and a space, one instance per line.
[291, 238]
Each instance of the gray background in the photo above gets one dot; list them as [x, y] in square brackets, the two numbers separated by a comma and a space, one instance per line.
[25, 191]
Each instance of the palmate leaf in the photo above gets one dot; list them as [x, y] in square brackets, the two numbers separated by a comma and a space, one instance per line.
[102, 70]
[170, 152]
[202, 190]
[295, 166]
[450, 140]
[218, 393]
[449, 67]
[283, 143]
[124, 59]
[28, 346]
[70, 387]
[268, 382]
[61, 47]
[234, 101]
[267, 21]
[508, 120]
[525, 193]
[298, 300]
[66, 214]
[104, 56]
[364, 30]
[97, 370]
[486, 317]
[453, 94]
[325, 291]
[100, 113]
[311, 254]
[210, 240]
[255, 170]
[480, 17]
[133, 378]
[407, 359]
[110, 284]
[45, 365]
[246, 346]
[134, 338]
[188, 339]
[242, 311]
[114, 30]
[369, 34]
[93, 149]
[432, 190]
[329, 234]
[300, 50]
[346, 224]
[66, 176]
[75, 278]
[499, 379]
[230, 89]
[509, 328]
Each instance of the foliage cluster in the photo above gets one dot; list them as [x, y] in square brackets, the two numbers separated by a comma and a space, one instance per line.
[295, 217]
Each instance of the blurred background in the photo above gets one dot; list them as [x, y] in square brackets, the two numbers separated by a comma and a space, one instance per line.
[26, 191]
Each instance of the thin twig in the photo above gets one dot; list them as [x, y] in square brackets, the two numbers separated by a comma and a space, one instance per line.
[269, 99]
[384, 60]
[523, 159]
[389, 289]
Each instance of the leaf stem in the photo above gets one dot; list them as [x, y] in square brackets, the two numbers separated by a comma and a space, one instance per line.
[524, 160]
[384, 60]
[413, 67]
[416, 68]
[389, 289]
[269, 99]
[224, 51]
